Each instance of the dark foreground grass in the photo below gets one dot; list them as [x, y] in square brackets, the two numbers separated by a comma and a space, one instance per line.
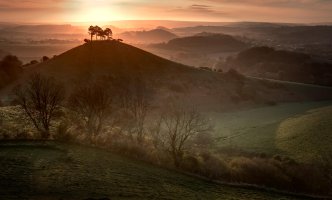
[36, 170]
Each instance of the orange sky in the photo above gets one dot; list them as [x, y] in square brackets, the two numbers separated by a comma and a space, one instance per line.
[64, 11]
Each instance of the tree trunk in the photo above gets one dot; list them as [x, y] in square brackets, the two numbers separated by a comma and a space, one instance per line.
[45, 134]
[176, 160]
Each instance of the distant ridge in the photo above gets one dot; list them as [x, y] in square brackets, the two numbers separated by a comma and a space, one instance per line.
[205, 43]
[152, 36]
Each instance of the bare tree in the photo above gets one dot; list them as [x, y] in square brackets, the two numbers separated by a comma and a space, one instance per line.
[176, 127]
[93, 105]
[133, 99]
[40, 99]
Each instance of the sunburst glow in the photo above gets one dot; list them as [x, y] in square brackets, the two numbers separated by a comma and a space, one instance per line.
[96, 11]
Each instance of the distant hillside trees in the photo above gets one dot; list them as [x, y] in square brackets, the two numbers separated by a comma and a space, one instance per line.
[100, 33]
[11, 65]
[10, 69]
[40, 98]
[45, 58]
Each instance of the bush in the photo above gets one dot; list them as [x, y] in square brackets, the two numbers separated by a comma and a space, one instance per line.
[63, 133]
[257, 171]
[214, 167]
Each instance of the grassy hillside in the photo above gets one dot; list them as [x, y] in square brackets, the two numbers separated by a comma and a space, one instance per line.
[57, 171]
[307, 137]
[261, 130]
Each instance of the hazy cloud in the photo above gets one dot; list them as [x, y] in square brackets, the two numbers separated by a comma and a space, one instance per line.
[207, 10]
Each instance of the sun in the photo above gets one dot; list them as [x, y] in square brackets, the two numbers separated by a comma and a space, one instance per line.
[91, 11]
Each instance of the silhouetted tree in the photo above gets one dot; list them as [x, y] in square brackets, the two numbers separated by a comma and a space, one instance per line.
[98, 31]
[40, 98]
[108, 32]
[11, 66]
[92, 31]
[45, 58]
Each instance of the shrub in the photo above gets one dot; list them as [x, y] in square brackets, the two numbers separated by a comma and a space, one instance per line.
[214, 167]
[63, 133]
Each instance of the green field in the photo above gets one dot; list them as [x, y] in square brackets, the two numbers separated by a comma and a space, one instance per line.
[35, 170]
[307, 137]
[256, 129]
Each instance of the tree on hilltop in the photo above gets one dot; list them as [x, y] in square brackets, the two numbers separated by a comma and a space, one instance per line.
[99, 32]
[92, 31]
[108, 32]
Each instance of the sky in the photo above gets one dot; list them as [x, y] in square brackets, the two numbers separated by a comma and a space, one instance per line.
[64, 11]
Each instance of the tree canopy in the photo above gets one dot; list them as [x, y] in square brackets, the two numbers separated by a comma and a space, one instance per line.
[99, 33]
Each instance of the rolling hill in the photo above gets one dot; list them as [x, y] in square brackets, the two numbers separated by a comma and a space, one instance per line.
[211, 90]
[266, 62]
[50, 170]
[280, 32]
[204, 43]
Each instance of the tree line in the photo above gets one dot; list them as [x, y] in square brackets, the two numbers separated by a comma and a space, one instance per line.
[114, 105]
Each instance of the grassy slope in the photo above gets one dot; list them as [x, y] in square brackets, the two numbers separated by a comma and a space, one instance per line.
[257, 129]
[57, 171]
[307, 137]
